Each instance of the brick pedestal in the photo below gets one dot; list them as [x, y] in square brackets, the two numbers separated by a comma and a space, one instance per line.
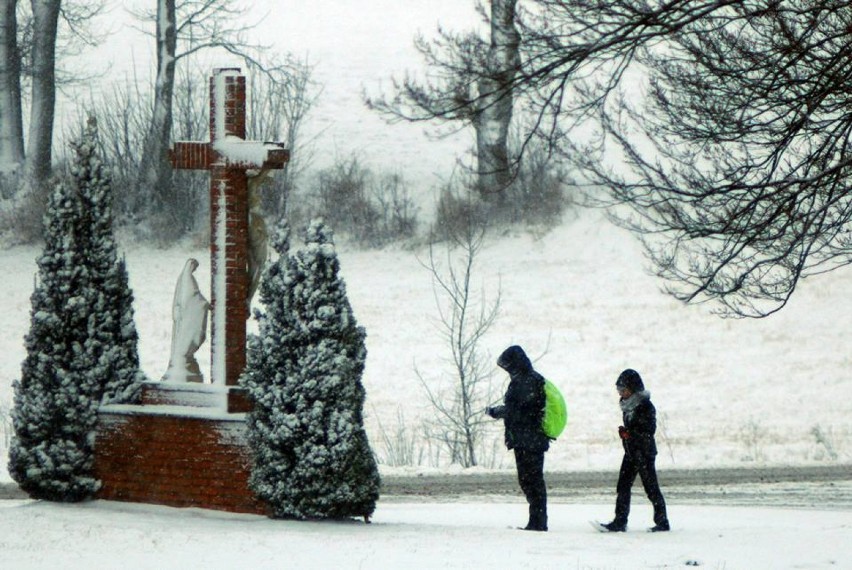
[180, 448]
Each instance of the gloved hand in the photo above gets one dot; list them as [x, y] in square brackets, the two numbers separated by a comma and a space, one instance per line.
[496, 412]
[623, 433]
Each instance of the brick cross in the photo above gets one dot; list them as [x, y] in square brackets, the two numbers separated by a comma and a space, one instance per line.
[228, 157]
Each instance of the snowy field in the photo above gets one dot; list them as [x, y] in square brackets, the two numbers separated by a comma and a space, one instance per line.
[728, 392]
[104, 536]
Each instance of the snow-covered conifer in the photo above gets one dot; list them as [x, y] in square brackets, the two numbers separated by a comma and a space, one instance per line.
[312, 456]
[81, 344]
[113, 338]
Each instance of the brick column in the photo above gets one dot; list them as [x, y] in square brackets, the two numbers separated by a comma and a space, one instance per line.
[229, 231]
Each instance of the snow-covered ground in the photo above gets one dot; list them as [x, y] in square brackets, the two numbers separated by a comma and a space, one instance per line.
[104, 536]
[728, 392]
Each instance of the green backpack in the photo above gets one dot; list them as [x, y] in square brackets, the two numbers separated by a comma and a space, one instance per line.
[555, 412]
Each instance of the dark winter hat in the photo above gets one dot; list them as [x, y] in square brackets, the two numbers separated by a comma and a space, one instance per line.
[631, 380]
[514, 359]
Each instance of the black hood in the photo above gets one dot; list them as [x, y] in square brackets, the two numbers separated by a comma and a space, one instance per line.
[514, 360]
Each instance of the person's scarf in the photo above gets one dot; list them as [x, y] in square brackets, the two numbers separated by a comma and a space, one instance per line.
[629, 405]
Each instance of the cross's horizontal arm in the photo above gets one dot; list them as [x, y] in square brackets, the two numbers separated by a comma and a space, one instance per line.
[191, 155]
[250, 154]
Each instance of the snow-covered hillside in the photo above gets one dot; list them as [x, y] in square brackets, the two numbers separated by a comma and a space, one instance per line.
[727, 391]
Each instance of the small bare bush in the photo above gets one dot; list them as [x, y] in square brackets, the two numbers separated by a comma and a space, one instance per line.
[465, 316]
[753, 436]
[663, 425]
[536, 198]
[459, 206]
[6, 423]
[371, 210]
[825, 440]
[538, 195]
[400, 445]
[398, 214]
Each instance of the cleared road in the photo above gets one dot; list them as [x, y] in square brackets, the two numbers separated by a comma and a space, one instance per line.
[824, 486]
[813, 486]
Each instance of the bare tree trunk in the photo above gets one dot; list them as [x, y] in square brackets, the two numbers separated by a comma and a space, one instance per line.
[11, 121]
[42, 109]
[154, 170]
[495, 106]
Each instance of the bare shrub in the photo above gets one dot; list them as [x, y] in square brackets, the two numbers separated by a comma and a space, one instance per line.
[400, 446]
[753, 436]
[397, 211]
[342, 199]
[538, 194]
[458, 207]
[6, 423]
[826, 441]
[371, 210]
[465, 316]
[537, 198]
[663, 425]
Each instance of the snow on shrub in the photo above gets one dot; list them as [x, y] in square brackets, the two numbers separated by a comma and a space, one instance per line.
[312, 458]
[82, 342]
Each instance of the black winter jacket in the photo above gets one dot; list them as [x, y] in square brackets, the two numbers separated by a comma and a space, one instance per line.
[523, 404]
[641, 425]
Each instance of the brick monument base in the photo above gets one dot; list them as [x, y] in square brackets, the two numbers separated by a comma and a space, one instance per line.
[184, 446]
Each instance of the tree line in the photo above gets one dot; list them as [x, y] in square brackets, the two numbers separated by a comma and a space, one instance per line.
[138, 122]
[718, 130]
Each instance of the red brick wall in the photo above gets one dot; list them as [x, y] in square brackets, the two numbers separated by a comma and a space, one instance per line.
[174, 460]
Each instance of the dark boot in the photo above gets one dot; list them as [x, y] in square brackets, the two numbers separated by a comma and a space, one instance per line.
[614, 526]
[535, 528]
[538, 520]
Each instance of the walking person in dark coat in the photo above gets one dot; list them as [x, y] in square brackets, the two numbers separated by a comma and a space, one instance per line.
[522, 412]
[640, 452]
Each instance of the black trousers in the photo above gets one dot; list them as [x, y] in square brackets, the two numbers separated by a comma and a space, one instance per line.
[644, 467]
[530, 466]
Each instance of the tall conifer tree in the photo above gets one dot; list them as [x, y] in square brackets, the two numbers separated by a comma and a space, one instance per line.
[113, 338]
[81, 346]
[312, 456]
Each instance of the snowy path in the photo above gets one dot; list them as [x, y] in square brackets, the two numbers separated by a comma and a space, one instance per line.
[104, 535]
[750, 519]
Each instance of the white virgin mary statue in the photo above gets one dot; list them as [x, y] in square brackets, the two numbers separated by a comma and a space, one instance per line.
[189, 327]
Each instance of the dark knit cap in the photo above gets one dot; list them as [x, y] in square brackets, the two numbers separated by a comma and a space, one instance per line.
[631, 380]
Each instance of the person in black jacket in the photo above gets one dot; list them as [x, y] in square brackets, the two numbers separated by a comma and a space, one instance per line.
[522, 412]
[640, 452]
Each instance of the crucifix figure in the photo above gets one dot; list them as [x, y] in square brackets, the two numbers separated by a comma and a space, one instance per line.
[231, 161]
